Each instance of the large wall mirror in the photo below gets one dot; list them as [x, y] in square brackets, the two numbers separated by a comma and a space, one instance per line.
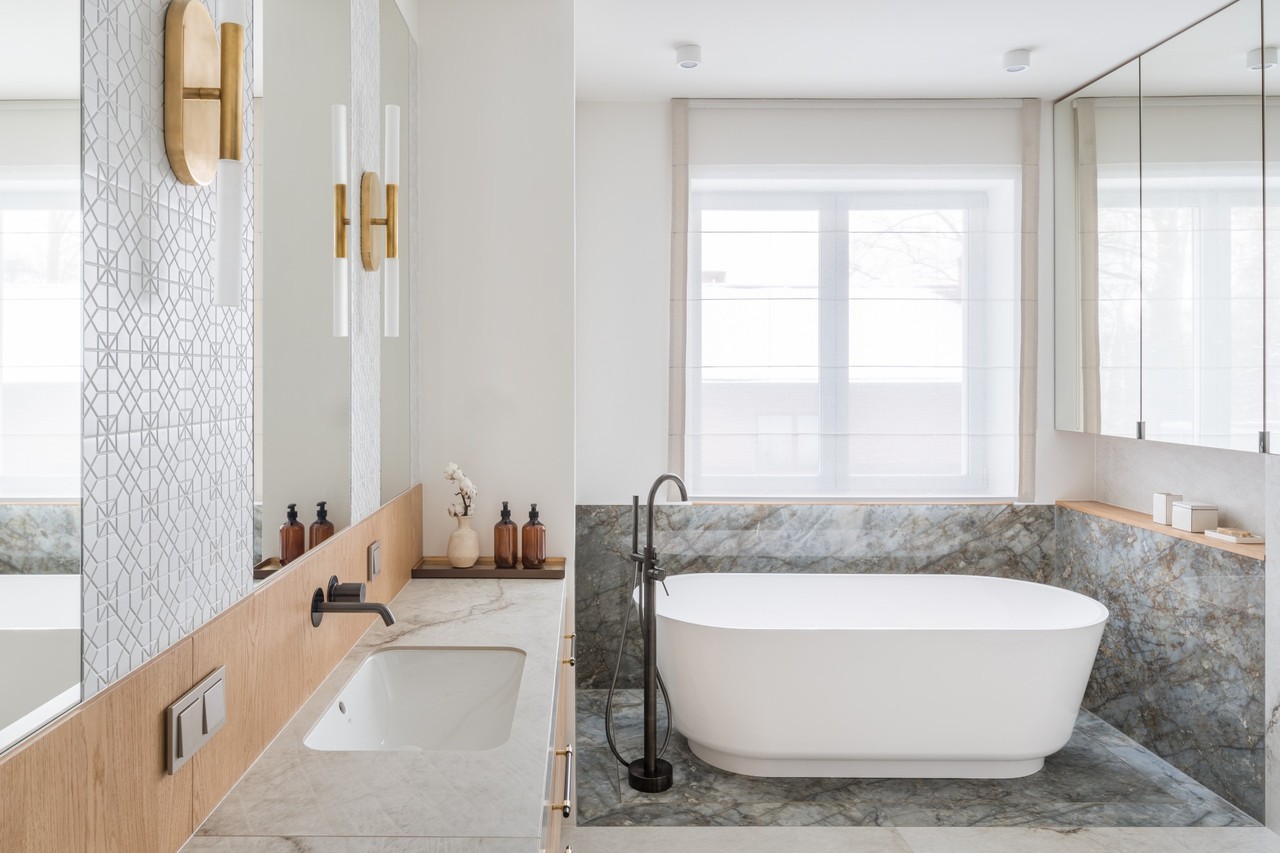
[302, 373]
[1160, 235]
[397, 410]
[40, 329]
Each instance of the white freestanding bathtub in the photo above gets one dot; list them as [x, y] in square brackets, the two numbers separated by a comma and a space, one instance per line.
[944, 676]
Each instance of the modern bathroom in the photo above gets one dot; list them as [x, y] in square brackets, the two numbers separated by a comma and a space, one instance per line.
[537, 426]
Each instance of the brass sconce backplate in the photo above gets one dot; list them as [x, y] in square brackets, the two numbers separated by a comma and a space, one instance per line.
[372, 194]
[191, 62]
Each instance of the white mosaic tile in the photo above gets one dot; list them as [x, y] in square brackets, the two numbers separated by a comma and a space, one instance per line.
[168, 376]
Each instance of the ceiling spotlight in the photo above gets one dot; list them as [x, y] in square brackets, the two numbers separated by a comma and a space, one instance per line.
[689, 55]
[1016, 61]
[1261, 59]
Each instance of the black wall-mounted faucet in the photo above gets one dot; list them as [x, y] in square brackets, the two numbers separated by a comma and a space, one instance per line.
[346, 598]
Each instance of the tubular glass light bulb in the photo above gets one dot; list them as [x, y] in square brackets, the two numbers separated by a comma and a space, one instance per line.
[229, 229]
[231, 11]
[339, 124]
[341, 283]
[341, 299]
[391, 166]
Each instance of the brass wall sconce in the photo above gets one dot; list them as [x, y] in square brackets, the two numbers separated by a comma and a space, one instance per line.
[373, 252]
[379, 208]
[203, 122]
[341, 280]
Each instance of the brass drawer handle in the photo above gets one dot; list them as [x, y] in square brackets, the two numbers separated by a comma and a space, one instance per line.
[566, 805]
[572, 659]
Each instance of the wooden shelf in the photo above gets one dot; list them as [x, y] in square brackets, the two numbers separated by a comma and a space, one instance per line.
[1133, 518]
[438, 567]
[267, 568]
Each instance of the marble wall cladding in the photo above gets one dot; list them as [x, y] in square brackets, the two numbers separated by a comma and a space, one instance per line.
[39, 539]
[167, 375]
[998, 540]
[1180, 669]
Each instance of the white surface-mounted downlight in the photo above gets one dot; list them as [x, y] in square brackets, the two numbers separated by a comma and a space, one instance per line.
[1262, 59]
[688, 56]
[1016, 61]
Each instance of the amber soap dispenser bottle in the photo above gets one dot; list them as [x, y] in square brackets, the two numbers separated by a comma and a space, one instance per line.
[504, 540]
[293, 537]
[533, 541]
[322, 527]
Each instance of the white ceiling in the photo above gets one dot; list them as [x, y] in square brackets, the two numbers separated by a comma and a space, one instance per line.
[625, 49]
[39, 49]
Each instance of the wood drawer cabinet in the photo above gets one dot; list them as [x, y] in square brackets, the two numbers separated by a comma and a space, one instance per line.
[560, 791]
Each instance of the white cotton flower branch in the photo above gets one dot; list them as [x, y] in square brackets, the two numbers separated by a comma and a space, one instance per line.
[466, 490]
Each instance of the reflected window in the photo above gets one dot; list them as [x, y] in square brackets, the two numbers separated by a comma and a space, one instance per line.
[40, 333]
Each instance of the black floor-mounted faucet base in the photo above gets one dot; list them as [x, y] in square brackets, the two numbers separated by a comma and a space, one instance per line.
[655, 784]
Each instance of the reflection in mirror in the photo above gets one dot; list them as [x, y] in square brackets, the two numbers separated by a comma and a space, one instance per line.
[1271, 168]
[397, 392]
[302, 374]
[1202, 319]
[40, 334]
[1099, 306]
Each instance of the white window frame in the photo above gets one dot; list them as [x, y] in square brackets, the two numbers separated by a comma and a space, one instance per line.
[833, 481]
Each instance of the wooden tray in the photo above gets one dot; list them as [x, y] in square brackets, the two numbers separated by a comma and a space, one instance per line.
[438, 567]
[267, 568]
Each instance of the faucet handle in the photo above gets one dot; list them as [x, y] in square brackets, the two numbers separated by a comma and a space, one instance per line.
[352, 593]
[659, 574]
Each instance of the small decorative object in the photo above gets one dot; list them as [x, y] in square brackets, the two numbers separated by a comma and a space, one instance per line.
[1193, 517]
[464, 543]
[1162, 508]
[1234, 534]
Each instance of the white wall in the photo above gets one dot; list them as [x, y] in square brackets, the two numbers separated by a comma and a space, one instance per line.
[624, 215]
[1130, 471]
[624, 270]
[497, 157]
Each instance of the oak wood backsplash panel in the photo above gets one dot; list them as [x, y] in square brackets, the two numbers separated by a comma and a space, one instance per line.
[275, 659]
[95, 779]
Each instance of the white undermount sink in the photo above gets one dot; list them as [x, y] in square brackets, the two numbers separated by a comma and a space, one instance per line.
[424, 699]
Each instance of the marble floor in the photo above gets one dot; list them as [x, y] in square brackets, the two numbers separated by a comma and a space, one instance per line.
[1100, 779]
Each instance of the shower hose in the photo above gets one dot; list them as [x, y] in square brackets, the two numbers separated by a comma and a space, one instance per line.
[608, 706]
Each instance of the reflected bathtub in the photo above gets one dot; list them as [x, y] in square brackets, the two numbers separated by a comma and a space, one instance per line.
[856, 675]
[39, 651]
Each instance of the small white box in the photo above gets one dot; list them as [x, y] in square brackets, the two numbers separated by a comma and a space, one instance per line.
[1162, 508]
[1193, 517]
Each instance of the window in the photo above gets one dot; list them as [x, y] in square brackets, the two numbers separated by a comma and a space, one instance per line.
[40, 333]
[853, 336]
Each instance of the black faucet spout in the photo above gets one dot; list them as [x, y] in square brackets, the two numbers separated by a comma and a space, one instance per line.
[346, 598]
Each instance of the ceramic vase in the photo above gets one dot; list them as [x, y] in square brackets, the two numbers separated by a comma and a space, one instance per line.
[464, 544]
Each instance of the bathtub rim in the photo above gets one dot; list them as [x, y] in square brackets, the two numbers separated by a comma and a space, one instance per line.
[1105, 612]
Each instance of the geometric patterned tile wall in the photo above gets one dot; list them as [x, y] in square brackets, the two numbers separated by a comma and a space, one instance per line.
[167, 376]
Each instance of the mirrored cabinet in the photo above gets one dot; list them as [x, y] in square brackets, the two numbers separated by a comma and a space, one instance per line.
[1162, 296]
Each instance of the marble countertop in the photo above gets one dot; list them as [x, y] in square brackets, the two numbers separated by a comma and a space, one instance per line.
[493, 797]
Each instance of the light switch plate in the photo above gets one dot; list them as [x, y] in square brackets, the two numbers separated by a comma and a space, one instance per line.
[194, 718]
[375, 560]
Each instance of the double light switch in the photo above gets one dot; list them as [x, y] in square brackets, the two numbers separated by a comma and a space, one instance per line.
[194, 718]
